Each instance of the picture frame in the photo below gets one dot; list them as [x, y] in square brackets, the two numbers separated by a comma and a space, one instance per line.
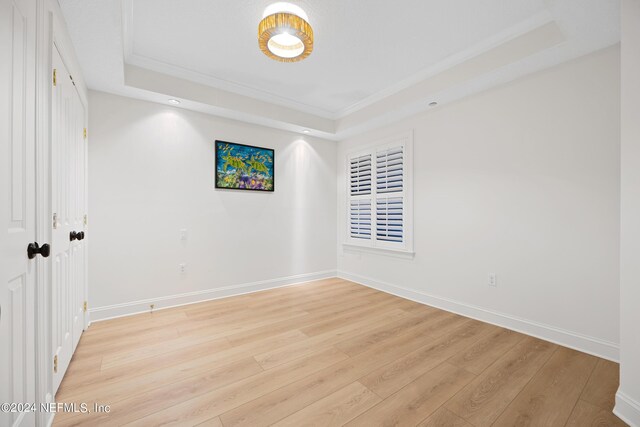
[244, 167]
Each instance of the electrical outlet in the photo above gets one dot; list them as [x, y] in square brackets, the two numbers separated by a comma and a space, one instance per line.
[183, 234]
[492, 280]
[183, 268]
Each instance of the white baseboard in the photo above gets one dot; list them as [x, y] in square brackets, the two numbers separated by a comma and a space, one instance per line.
[627, 409]
[591, 345]
[142, 306]
[586, 344]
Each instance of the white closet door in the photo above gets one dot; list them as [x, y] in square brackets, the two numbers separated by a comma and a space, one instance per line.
[17, 208]
[68, 205]
[78, 209]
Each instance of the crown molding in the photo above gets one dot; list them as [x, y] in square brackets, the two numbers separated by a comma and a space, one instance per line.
[528, 47]
[141, 61]
[132, 58]
[224, 102]
[484, 46]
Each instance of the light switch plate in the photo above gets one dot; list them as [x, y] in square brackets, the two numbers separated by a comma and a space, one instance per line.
[492, 280]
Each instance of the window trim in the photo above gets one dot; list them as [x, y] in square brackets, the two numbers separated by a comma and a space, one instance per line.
[373, 245]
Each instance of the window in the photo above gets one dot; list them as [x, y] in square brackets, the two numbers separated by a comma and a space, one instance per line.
[379, 194]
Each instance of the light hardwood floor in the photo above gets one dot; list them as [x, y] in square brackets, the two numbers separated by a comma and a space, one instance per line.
[329, 353]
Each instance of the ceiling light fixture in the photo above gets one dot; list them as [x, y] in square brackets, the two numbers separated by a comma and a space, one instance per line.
[284, 34]
[173, 102]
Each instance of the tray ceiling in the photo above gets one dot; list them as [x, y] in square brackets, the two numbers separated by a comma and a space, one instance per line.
[365, 50]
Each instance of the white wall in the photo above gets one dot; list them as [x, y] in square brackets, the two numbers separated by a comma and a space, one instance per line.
[522, 181]
[151, 174]
[628, 396]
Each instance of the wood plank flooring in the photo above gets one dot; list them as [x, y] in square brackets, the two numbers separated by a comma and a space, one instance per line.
[329, 353]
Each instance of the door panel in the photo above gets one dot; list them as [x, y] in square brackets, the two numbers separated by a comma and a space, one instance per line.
[17, 207]
[68, 204]
[77, 212]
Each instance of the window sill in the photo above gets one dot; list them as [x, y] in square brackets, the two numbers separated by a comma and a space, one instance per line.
[352, 248]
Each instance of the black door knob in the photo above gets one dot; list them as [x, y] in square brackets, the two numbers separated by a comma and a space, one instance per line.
[76, 235]
[34, 249]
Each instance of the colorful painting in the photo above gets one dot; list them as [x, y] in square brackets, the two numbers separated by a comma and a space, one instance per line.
[244, 167]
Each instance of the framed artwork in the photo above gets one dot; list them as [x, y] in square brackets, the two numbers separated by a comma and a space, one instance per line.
[244, 167]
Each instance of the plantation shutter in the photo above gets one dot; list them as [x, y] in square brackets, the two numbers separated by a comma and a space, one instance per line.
[360, 219]
[360, 177]
[389, 170]
[390, 195]
[379, 196]
[389, 219]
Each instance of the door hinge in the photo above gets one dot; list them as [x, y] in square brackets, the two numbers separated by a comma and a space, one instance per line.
[55, 77]
[84, 307]
[86, 219]
[55, 221]
[55, 364]
[84, 133]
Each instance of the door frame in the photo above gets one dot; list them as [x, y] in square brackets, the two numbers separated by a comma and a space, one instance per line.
[51, 29]
[43, 267]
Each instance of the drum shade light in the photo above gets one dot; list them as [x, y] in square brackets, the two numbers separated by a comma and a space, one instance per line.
[284, 34]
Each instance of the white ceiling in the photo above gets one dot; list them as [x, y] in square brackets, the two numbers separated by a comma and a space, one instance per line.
[365, 51]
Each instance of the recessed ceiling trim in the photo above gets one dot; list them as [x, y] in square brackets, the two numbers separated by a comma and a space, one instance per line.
[450, 62]
[132, 58]
[241, 90]
[493, 80]
[186, 89]
[108, 59]
[516, 49]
